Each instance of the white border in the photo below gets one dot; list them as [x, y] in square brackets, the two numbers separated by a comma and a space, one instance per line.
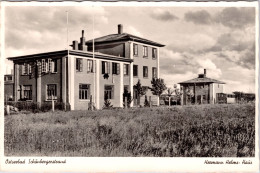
[130, 164]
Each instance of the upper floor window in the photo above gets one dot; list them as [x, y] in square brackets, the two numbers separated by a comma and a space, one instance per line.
[126, 69]
[51, 91]
[135, 70]
[105, 67]
[154, 72]
[52, 65]
[91, 66]
[84, 91]
[108, 92]
[145, 51]
[115, 68]
[79, 64]
[135, 49]
[145, 71]
[154, 53]
[26, 69]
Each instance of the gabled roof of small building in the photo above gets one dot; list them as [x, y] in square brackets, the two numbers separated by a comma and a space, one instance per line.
[123, 37]
[202, 80]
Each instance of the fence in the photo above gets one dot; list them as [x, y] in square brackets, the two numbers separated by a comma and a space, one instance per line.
[37, 107]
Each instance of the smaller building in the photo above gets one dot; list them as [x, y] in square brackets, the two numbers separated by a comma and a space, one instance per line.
[201, 90]
[9, 87]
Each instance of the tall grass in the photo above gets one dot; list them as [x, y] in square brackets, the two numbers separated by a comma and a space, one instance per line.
[188, 131]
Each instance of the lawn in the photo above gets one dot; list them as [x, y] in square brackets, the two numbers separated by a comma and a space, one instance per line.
[179, 131]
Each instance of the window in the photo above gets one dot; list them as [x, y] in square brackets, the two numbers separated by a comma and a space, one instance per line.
[145, 51]
[115, 68]
[126, 69]
[52, 65]
[109, 92]
[27, 92]
[91, 66]
[154, 53]
[26, 69]
[154, 72]
[79, 64]
[51, 91]
[9, 78]
[135, 70]
[105, 67]
[145, 71]
[84, 91]
[135, 49]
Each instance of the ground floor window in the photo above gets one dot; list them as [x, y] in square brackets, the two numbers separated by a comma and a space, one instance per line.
[51, 91]
[27, 92]
[84, 91]
[108, 92]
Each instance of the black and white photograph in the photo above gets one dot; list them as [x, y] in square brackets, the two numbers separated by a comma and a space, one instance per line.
[138, 81]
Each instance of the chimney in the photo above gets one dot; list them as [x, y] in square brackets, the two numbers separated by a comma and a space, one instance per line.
[205, 72]
[82, 45]
[120, 29]
[75, 45]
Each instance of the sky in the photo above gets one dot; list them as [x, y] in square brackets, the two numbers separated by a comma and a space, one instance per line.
[219, 39]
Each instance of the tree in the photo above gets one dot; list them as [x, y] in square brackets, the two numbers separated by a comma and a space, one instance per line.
[140, 91]
[169, 93]
[158, 86]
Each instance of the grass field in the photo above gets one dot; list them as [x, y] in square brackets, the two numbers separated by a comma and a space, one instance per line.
[188, 131]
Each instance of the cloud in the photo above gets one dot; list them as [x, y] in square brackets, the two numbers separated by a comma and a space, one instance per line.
[236, 17]
[231, 17]
[134, 31]
[198, 17]
[163, 15]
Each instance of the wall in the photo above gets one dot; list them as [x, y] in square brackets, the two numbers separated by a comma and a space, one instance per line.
[116, 49]
[9, 90]
[46, 78]
[217, 88]
[200, 90]
[88, 78]
[145, 61]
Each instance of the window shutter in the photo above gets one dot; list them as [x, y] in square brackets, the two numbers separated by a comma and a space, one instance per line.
[49, 66]
[103, 67]
[108, 67]
[29, 69]
[88, 66]
[81, 65]
[118, 68]
[25, 68]
[43, 66]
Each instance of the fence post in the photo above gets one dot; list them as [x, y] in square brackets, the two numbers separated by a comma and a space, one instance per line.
[90, 104]
[150, 102]
[52, 103]
[7, 109]
[126, 103]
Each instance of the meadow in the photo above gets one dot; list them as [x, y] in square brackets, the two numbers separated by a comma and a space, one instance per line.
[178, 131]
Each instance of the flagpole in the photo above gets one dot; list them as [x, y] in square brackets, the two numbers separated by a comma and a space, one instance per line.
[94, 63]
[65, 65]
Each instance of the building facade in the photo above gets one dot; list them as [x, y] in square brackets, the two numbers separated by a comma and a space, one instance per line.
[78, 75]
[9, 87]
[201, 90]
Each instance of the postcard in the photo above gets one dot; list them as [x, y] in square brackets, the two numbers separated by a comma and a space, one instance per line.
[129, 87]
